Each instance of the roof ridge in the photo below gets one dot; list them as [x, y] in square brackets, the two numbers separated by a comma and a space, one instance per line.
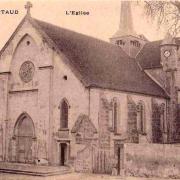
[56, 26]
[85, 35]
[69, 40]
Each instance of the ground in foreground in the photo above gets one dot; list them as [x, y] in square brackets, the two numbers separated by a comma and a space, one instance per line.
[72, 176]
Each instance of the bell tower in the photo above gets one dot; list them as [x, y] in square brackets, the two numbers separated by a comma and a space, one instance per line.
[169, 53]
[169, 61]
[126, 37]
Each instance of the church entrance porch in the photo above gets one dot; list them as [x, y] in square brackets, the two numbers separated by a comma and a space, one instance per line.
[24, 136]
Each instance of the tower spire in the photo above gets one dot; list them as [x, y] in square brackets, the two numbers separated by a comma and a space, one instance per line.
[126, 21]
[126, 37]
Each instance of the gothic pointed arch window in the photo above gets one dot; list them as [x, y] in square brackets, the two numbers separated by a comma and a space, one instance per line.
[64, 113]
[132, 120]
[141, 117]
[163, 118]
[157, 134]
[115, 115]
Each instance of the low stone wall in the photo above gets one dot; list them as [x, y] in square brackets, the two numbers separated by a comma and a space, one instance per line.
[160, 160]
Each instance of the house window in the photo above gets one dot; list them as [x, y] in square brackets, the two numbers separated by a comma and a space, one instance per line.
[64, 114]
[141, 118]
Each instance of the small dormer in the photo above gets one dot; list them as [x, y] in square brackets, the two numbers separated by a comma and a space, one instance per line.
[126, 37]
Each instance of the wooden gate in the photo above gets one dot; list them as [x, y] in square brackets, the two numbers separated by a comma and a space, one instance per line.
[92, 159]
[101, 161]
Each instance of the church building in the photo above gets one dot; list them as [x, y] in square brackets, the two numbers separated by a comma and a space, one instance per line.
[70, 99]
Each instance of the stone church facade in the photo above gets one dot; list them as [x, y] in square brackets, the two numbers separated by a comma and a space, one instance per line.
[63, 94]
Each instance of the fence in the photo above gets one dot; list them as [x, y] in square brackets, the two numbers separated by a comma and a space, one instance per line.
[101, 161]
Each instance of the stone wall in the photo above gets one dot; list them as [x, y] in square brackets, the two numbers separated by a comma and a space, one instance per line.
[84, 160]
[126, 111]
[73, 91]
[160, 160]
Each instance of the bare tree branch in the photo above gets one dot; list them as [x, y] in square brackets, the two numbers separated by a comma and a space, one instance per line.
[176, 3]
[165, 12]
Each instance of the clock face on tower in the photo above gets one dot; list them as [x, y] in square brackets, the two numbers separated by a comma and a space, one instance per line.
[26, 71]
[167, 53]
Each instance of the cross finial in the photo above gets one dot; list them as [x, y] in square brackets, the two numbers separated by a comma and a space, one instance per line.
[28, 6]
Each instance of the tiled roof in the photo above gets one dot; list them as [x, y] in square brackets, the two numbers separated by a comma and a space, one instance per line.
[100, 63]
[150, 57]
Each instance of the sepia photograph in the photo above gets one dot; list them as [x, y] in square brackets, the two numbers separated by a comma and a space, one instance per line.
[89, 90]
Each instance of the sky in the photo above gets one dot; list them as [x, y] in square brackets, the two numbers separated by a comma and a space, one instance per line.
[102, 22]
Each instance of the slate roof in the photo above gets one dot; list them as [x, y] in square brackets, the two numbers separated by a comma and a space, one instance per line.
[150, 57]
[100, 63]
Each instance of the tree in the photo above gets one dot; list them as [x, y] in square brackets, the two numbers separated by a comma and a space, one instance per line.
[165, 12]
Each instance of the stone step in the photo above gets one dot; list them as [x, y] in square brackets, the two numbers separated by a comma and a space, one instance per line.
[33, 169]
[34, 173]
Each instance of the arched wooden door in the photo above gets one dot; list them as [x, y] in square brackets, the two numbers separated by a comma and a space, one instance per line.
[24, 132]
